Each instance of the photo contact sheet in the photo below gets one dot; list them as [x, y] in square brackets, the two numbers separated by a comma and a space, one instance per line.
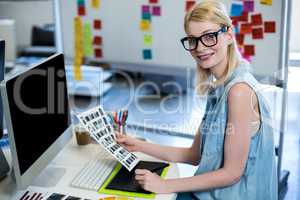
[97, 123]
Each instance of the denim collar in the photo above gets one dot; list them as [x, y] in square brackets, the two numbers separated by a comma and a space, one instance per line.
[242, 68]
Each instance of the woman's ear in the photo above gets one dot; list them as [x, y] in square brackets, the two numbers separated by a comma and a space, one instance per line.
[229, 36]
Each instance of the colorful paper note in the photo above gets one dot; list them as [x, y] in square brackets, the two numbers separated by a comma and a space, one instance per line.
[77, 73]
[249, 6]
[87, 40]
[257, 33]
[80, 2]
[246, 28]
[236, 29]
[270, 26]
[145, 9]
[147, 54]
[266, 2]
[240, 39]
[243, 17]
[189, 5]
[97, 40]
[235, 23]
[248, 58]
[249, 50]
[97, 24]
[256, 20]
[95, 4]
[153, 1]
[98, 53]
[78, 47]
[236, 9]
[147, 40]
[81, 10]
[145, 25]
[156, 10]
[146, 16]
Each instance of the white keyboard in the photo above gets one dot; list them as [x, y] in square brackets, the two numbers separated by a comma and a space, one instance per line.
[95, 172]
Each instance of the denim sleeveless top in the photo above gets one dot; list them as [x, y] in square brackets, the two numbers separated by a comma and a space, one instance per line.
[259, 180]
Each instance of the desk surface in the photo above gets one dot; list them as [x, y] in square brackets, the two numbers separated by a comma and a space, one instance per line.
[71, 159]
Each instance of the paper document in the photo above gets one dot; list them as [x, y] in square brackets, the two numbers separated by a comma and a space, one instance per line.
[97, 123]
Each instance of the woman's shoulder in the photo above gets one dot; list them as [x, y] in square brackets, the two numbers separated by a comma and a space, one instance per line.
[239, 92]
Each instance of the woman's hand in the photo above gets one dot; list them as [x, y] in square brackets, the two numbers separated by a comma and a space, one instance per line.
[130, 143]
[151, 181]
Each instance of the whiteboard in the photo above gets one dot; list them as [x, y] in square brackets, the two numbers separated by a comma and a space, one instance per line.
[123, 40]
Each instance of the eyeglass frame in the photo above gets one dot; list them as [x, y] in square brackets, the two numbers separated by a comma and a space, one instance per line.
[223, 29]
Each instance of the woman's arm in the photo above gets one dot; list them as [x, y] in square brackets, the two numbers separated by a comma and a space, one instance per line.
[236, 148]
[188, 155]
[173, 154]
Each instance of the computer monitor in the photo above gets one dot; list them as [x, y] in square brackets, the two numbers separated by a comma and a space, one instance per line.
[4, 167]
[2, 64]
[37, 114]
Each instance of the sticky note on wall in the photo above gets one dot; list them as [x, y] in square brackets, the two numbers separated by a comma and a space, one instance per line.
[81, 2]
[246, 28]
[97, 24]
[87, 40]
[156, 10]
[243, 17]
[153, 1]
[78, 47]
[189, 5]
[248, 6]
[257, 33]
[147, 40]
[266, 2]
[77, 72]
[147, 54]
[236, 9]
[146, 16]
[81, 10]
[145, 9]
[97, 40]
[240, 38]
[270, 26]
[256, 19]
[98, 53]
[145, 25]
[95, 4]
[249, 50]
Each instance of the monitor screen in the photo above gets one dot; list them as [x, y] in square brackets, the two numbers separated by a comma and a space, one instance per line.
[2, 64]
[39, 109]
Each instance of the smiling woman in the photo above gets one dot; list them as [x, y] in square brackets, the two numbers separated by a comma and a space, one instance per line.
[234, 144]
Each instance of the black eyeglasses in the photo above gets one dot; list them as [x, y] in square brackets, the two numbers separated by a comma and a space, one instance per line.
[207, 39]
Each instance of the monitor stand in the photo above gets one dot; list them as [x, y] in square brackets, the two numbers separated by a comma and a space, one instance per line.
[4, 167]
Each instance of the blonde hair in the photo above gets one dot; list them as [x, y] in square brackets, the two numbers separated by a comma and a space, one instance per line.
[213, 11]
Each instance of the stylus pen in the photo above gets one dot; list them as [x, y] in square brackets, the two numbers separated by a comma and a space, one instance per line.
[159, 168]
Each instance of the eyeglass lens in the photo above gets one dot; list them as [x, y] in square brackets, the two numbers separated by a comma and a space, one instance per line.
[208, 40]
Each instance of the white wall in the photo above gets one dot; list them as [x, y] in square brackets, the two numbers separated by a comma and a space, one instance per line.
[27, 14]
[295, 27]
